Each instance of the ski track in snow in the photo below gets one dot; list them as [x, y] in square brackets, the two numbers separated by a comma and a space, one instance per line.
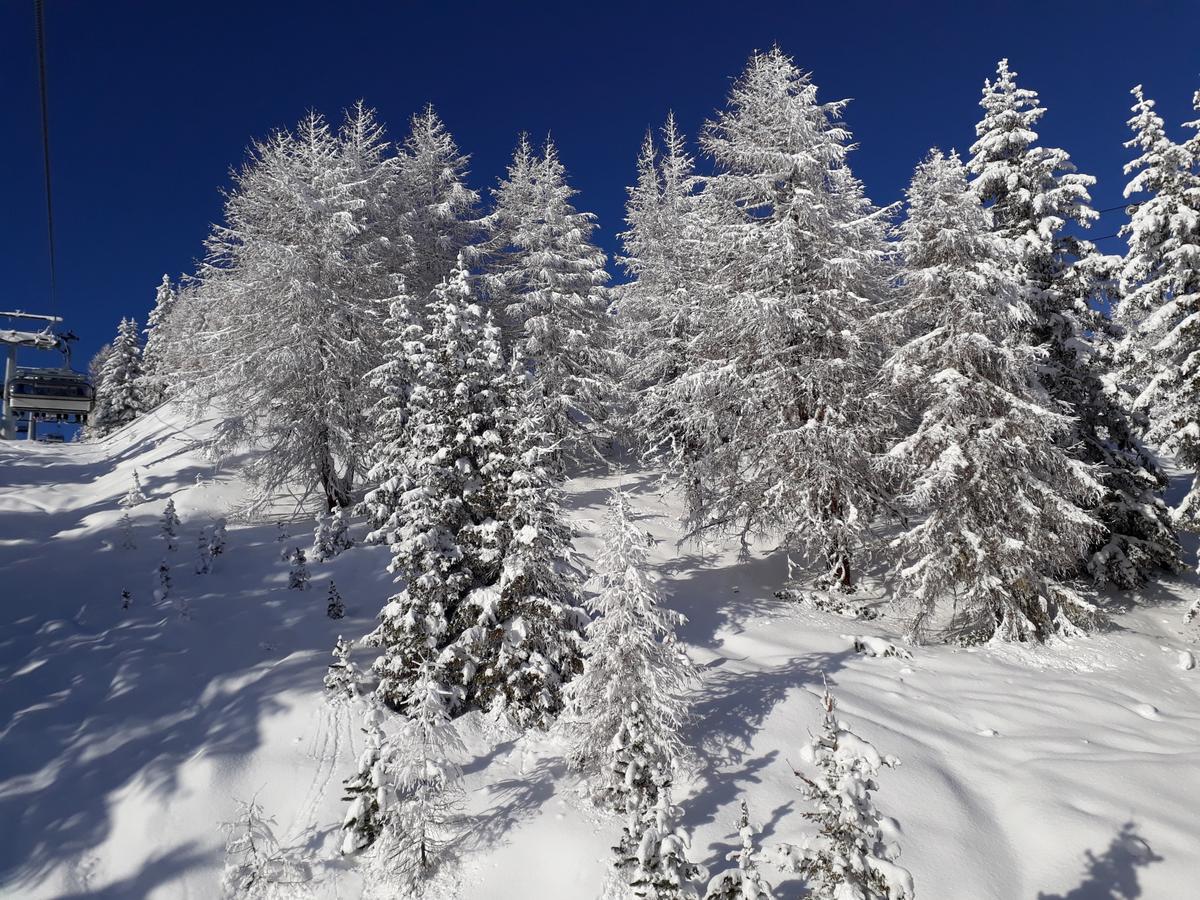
[126, 736]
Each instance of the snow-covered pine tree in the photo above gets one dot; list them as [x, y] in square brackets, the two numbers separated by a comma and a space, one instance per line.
[456, 405]
[1034, 193]
[126, 599]
[366, 790]
[996, 499]
[204, 555]
[344, 678]
[656, 309]
[743, 881]
[1160, 287]
[419, 824]
[335, 609]
[163, 575]
[216, 545]
[391, 382]
[437, 211]
[118, 396]
[294, 284]
[627, 709]
[134, 495]
[256, 867]
[282, 538]
[525, 628]
[778, 420]
[547, 279]
[127, 541]
[848, 858]
[322, 548]
[652, 855]
[298, 577]
[169, 526]
[154, 378]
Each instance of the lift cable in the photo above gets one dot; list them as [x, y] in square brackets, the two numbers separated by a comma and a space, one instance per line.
[41, 48]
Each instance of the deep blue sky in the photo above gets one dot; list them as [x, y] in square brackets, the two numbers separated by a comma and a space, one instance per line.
[151, 103]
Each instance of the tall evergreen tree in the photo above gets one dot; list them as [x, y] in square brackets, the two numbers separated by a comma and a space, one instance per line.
[547, 278]
[627, 709]
[656, 309]
[777, 400]
[1034, 193]
[454, 409]
[155, 379]
[1160, 286]
[438, 213]
[524, 629]
[999, 498]
[118, 394]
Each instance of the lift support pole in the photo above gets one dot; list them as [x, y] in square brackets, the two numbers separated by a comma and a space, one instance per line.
[10, 368]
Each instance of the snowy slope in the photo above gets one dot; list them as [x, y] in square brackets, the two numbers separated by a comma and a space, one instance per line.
[1066, 772]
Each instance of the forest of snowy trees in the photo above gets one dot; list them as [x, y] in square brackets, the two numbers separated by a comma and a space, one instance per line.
[959, 389]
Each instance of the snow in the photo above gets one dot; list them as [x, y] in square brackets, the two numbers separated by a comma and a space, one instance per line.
[128, 736]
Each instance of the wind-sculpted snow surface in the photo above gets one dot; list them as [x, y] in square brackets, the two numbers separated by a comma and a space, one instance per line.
[128, 735]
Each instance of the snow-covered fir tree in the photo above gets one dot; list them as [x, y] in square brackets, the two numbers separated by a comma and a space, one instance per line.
[155, 379]
[626, 711]
[848, 858]
[283, 539]
[996, 500]
[455, 408]
[294, 284]
[344, 678]
[218, 539]
[118, 394]
[652, 855]
[298, 576]
[204, 552]
[391, 382]
[777, 425]
[162, 574]
[420, 822]
[256, 866]
[127, 541]
[1034, 193]
[335, 608]
[169, 526]
[366, 790]
[322, 548]
[437, 211]
[1160, 287]
[524, 635]
[656, 309]
[134, 495]
[547, 279]
[126, 599]
[742, 881]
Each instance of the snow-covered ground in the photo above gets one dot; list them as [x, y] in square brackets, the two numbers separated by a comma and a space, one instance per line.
[126, 735]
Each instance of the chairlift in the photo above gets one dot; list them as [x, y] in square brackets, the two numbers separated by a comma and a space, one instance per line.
[55, 393]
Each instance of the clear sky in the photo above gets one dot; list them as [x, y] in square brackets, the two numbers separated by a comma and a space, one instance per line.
[151, 102]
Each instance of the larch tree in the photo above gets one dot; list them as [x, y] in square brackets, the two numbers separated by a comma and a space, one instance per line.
[626, 712]
[998, 505]
[547, 281]
[777, 400]
[1160, 287]
[1034, 194]
[294, 282]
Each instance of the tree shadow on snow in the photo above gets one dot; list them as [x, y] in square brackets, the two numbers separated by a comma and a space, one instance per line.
[517, 800]
[1113, 875]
